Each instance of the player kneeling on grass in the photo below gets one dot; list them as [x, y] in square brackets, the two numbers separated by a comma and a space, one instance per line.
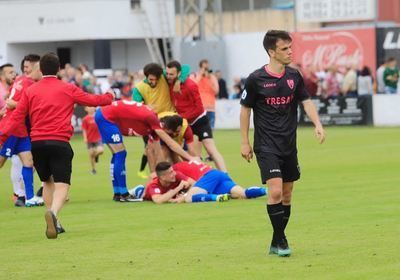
[211, 182]
[92, 137]
[179, 130]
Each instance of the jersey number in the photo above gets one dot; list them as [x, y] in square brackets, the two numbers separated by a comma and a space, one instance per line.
[116, 138]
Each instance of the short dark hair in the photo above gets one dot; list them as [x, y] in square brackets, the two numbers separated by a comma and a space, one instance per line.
[49, 64]
[172, 122]
[153, 69]
[272, 36]
[202, 62]
[365, 71]
[391, 59]
[174, 64]
[162, 166]
[4, 66]
[31, 58]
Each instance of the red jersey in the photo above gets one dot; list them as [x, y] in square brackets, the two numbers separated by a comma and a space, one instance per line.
[192, 169]
[50, 104]
[188, 135]
[154, 187]
[132, 118]
[187, 102]
[90, 127]
[18, 89]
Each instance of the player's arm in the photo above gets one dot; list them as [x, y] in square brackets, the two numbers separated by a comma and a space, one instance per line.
[312, 113]
[166, 197]
[248, 101]
[84, 135]
[245, 147]
[87, 99]
[173, 145]
[214, 83]
[191, 148]
[154, 154]
[180, 197]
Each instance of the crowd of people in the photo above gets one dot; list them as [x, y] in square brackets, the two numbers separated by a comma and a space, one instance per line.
[351, 81]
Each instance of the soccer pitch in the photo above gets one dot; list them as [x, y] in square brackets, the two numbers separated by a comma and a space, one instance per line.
[344, 223]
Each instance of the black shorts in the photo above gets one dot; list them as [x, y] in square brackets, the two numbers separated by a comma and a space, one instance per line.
[94, 145]
[202, 128]
[273, 166]
[53, 158]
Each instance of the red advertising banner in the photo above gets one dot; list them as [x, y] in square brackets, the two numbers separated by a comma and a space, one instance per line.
[340, 48]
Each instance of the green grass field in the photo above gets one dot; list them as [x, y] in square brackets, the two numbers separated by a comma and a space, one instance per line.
[345, 220]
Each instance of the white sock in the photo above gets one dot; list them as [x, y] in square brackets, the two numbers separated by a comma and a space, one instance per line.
[16, 176]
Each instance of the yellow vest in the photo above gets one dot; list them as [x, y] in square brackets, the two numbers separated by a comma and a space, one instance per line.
[180, 138]
[158, 98]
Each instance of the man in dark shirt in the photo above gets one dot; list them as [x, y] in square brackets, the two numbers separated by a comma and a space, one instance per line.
[273, 92]
[223, 92]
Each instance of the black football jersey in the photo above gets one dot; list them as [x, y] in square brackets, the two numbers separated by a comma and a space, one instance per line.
[274, 100]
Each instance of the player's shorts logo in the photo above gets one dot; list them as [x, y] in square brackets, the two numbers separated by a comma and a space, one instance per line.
[276, 170]
[290, 83]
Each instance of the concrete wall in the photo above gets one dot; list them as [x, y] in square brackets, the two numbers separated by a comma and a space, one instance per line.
[129, 55]
[386, 109]
[60, 20]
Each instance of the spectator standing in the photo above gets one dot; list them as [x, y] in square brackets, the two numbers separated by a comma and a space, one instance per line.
[331, 83]
[223, 91]
[208, 89]
[364, 82]
[349, 85]
[380, 83]
[391, 76]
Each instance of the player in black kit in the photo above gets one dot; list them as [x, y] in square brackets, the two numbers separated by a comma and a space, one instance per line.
[274, 92]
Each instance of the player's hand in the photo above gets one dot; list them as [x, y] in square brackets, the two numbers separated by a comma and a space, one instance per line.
[246, 151]
[183, 185]
[11, 103]
[320, 133]
[111, 92]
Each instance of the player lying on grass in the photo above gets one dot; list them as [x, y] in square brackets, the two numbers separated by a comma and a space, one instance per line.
[177, 184]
